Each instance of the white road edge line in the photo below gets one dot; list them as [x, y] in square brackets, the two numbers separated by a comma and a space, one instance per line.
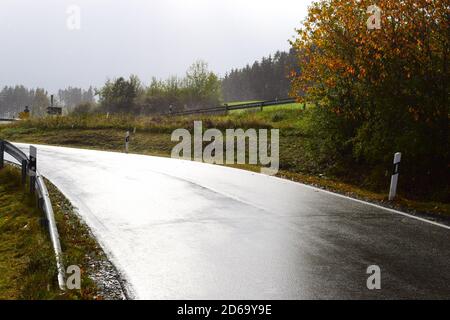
[370, 204]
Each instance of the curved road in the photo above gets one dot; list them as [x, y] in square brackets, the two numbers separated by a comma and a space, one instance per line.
[186, 230]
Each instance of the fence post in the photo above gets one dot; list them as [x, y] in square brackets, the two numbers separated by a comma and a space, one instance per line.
[32, 167]
[2, 154]
[127, 140]
[394, 178]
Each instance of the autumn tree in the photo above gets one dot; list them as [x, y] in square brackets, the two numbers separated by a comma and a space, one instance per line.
[378, 91]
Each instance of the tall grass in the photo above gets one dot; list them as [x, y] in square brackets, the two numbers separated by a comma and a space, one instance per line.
[157, 124]
[27, 261]
[270, 117]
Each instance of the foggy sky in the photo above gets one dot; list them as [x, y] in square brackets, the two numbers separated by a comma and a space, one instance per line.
[143, 37]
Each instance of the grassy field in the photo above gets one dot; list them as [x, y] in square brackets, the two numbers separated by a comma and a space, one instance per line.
[27, 261]
[234, 103]
[287, 106]
[153, 138]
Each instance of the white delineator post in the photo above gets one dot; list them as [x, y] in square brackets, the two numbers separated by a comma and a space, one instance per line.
[127, 141]
[394, 178]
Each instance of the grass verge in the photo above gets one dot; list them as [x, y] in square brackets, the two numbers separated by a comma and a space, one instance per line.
[27, 261]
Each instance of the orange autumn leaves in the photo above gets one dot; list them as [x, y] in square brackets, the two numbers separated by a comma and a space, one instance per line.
[338, 55]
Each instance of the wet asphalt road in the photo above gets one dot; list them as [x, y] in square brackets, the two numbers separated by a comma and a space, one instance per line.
[186, 230]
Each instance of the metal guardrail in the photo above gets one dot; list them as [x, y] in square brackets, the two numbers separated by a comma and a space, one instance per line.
[44, 202]
[226, 108]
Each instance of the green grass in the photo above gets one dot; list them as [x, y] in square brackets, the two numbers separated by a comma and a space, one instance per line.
[234, 103]
[27, 262]
[153, 138]
[26, 257]
[287, 106]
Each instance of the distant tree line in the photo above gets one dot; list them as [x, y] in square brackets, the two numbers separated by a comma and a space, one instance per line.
[13, 99]
[72, 97]
[264, 80]
[199, 88]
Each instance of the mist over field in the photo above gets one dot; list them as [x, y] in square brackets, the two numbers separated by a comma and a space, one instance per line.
[147, 38]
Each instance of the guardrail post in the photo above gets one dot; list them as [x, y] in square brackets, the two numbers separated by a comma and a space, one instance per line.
[24, 171]
[32, 167]
[40, 203]
[2, 154]
[32, 184]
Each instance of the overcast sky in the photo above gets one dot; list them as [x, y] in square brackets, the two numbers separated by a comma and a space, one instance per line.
[41, 45]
